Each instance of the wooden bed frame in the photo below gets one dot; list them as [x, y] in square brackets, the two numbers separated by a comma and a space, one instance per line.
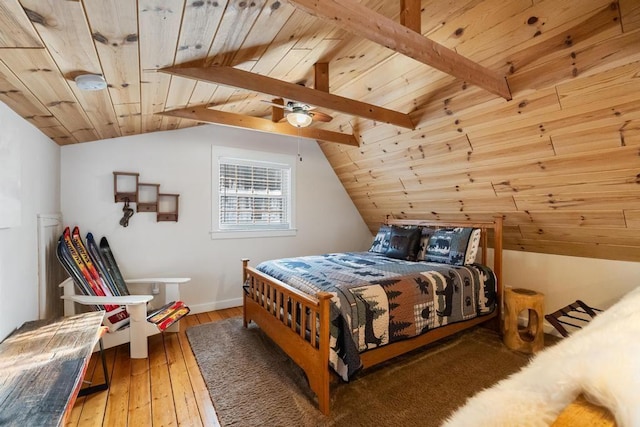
[275, 307]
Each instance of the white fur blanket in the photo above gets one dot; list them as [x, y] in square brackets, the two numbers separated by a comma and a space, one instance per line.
[601, 360]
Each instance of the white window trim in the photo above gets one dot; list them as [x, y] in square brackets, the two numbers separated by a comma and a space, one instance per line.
[257, 156]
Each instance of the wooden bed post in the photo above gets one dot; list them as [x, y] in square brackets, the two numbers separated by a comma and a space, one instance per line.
[245, 321]
[497, 269]
[322, 388]
[483, 245]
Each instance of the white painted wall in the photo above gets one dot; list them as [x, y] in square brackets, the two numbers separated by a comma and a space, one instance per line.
[40, 193]
[564, 279]
[180, 161]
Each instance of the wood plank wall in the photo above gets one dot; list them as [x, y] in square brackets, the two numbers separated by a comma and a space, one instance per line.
[560, 162]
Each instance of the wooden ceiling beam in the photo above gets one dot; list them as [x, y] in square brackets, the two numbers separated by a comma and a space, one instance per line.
[224, 118]
[229, 76]
[277, 114]
[362, 21]
[321, 76]
[410, 15]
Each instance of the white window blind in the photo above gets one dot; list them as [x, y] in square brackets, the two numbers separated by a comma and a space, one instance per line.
[254, 195]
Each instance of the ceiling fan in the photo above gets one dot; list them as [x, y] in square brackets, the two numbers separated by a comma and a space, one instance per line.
[299, 114]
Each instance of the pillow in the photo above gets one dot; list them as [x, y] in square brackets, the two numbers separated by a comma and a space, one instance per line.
[455, 246]
[404, 243]
[381, 241]
[472, 247]
[426, 233]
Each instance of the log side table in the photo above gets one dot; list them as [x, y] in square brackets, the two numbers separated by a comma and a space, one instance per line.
[530, 338]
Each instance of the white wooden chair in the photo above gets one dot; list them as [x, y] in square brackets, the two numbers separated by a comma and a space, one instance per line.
[139, 328]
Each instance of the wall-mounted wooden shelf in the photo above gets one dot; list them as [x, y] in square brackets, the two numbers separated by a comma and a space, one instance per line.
[148, 197]
[167, 207]
[125, 186]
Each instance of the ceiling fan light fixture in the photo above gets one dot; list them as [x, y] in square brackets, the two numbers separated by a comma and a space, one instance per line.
[90, 82]
[299, 119]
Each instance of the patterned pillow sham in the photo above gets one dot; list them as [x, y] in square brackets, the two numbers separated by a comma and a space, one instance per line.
[404, 243]
[426, 233]
[473, 246]
[381, 241]
[454, 246]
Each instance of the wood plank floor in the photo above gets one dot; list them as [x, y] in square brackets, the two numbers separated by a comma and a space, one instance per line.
[164, 390]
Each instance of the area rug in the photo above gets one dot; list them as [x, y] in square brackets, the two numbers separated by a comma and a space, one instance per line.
[253, 383]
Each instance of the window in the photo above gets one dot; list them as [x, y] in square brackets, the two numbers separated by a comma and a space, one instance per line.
[252, 195]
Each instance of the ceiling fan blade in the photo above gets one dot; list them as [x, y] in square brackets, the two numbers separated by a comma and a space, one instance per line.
[319, 116]
[273, 104]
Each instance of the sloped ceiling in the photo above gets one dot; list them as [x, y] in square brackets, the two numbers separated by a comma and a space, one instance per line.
[560, 161]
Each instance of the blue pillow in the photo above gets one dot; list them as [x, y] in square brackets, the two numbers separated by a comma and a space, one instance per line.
[404, 243]
[455, 246]
[381, 241]
[426, 233]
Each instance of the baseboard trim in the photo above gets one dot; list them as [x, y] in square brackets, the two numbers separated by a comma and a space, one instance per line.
[216, 305]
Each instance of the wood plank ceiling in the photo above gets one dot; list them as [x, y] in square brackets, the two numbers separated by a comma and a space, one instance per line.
[560, 160]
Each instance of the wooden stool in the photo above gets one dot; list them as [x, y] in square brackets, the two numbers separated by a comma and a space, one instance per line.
[530, 338]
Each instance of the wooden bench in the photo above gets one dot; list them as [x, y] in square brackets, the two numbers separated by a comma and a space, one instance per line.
[42, 365]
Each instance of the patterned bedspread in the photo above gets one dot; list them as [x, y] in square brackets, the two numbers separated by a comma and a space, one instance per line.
[379, 300]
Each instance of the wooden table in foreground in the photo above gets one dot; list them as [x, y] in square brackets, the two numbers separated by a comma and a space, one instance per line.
[42, 365]
[583, 413]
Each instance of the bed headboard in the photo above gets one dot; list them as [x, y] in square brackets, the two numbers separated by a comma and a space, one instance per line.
[495, 226]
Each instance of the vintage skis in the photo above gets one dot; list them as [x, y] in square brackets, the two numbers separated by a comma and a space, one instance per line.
[64, 256]
[91, 268]
[98, 261]
[173, 317]
[116, 316]
[169, 314]
[79, 265]
[112, 266]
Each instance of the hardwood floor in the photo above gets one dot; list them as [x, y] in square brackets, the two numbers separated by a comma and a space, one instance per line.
[164, 390]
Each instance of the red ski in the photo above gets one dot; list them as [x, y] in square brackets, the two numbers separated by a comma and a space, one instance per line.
[160, 314]
[91, 268]
[116, 315]
[173, 317]
[95, 287]
[168, 315]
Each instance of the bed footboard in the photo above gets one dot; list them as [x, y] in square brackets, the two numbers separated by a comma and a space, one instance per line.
[297, 322]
